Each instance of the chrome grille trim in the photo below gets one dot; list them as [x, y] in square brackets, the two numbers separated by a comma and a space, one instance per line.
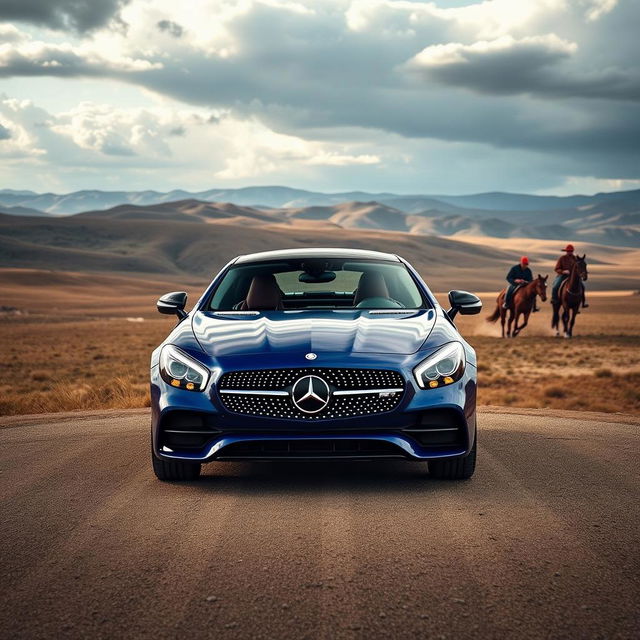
[353, 392]
[362, 392]
[254, 392]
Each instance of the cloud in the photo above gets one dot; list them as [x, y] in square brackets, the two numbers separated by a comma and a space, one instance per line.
[323, 87]
[119, 132]
[18, 119]
[255, 150]
[170, 27]
[24, 56]
[500, 55]
[598, 8]
[527, 65]
[100, 135]
[79, 15]
[10, 33]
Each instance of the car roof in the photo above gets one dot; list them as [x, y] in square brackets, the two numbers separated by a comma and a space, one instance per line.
[295, 254]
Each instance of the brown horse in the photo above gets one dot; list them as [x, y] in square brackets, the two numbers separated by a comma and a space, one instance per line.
[521, 304]
[570, 298]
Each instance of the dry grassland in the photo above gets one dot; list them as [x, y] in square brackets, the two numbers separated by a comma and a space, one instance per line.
[59, 365]
[55, 363]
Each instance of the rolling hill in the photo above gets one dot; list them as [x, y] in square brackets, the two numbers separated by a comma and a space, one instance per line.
[197, 248]
[610, 218]
[191, 240]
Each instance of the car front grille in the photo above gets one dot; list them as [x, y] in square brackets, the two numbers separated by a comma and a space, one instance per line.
[351, 392]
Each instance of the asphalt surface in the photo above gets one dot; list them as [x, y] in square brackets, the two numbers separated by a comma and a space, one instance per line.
[541, 543]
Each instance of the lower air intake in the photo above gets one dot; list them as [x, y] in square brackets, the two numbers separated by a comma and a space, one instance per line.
[309, 448]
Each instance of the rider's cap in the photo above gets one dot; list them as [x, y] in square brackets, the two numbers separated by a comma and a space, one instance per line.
[569, 247]
[524, 260]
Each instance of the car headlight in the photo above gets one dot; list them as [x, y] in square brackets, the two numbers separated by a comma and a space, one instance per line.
[441, 368]
[182, 371]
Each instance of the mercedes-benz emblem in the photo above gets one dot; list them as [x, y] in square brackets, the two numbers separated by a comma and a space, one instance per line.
[310, 394]
[311, 356]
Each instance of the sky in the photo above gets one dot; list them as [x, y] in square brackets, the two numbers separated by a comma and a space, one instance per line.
[448, 97]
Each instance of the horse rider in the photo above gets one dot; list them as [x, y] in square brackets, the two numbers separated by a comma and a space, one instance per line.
[563, 269]
[518, 275]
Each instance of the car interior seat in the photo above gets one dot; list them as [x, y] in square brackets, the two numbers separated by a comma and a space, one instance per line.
[370, 285]
[264, 294]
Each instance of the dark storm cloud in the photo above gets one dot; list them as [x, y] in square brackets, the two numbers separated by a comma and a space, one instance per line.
[5, 134]
[531, 65]
[170, 27]
[80, 15]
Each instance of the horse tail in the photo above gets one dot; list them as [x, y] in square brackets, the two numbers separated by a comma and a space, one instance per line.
[495, 315]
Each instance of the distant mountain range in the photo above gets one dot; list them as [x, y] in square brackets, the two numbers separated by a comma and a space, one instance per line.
[604, 218]
[286, 197]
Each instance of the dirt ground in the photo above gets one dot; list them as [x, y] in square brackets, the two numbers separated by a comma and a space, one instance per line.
[539, 544]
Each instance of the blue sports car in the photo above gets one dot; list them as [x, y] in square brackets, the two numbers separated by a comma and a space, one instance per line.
[314, 353]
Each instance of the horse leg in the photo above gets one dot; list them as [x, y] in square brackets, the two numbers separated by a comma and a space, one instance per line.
[555, 319]
[567, 326]
[565, 321]
[510, 324]
[525, 321]
[573, 321]
[516, 329]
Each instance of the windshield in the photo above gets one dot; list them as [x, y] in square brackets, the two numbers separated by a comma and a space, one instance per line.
[316, 284]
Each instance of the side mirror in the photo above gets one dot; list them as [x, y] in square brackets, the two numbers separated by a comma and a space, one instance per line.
[173, 303]
[464, 302]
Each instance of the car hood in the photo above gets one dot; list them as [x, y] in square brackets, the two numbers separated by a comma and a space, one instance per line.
[348, 331]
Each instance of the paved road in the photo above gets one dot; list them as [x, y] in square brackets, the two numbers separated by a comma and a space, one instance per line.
[541, 543]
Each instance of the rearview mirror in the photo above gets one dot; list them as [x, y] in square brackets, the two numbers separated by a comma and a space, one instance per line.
[467, 304]
[312, 278]
[173, 303]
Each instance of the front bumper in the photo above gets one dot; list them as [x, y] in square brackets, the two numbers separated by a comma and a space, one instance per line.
[427, 424]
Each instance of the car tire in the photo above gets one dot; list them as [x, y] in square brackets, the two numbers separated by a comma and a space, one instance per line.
[175, 470]
[458, 468]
